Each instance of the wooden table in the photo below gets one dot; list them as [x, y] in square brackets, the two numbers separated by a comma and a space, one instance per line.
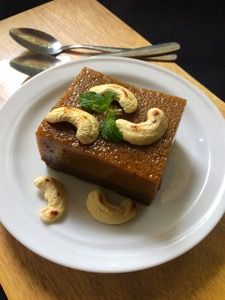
[198, 274]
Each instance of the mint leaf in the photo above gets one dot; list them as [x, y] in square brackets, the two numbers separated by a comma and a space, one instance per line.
[109, 130]
[96, 102]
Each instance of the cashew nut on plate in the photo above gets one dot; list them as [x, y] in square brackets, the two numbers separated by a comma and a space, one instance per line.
[126, 98]
[86, 124]
[55, 194]
[105, 212]
[144, 133]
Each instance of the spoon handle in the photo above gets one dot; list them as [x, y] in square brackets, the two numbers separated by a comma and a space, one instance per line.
[153, 50]
[167, 57]
[164, 58]
[130, 52]
[92, 47]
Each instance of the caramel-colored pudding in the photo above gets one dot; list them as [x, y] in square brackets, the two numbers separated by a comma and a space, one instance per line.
[135, 171]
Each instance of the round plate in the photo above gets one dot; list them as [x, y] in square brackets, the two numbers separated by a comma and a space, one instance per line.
[188, 205]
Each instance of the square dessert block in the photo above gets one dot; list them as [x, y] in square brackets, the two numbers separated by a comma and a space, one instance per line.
[135, 171]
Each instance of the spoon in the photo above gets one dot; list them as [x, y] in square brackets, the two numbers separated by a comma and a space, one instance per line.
[32, 63]
[43, 43]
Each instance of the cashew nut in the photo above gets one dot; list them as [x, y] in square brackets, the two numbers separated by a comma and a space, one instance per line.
[55, 194]
[86, 124]
[144, 133]
[103, 211]
[126, 98]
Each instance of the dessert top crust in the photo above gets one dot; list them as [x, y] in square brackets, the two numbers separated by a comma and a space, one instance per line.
[147, 161]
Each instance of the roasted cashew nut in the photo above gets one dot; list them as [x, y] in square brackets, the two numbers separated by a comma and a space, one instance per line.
[55, 194]
[86, 124]
[103, 211]
[126, 98]
[144, 133]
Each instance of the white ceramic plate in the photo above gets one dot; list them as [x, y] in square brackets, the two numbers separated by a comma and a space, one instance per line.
[189, 204]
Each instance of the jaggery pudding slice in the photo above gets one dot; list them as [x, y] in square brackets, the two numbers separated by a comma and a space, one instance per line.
[135, 171]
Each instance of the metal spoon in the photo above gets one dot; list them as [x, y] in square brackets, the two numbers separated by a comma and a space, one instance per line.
[43, 43]
[32, 63]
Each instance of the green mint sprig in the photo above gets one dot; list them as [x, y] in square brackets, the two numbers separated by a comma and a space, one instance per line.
[96, 102]
[109, 130]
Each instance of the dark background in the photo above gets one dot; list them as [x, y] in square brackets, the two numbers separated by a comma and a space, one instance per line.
[199, 26]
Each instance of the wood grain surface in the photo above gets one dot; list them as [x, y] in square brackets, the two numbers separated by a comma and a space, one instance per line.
[198, 274]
